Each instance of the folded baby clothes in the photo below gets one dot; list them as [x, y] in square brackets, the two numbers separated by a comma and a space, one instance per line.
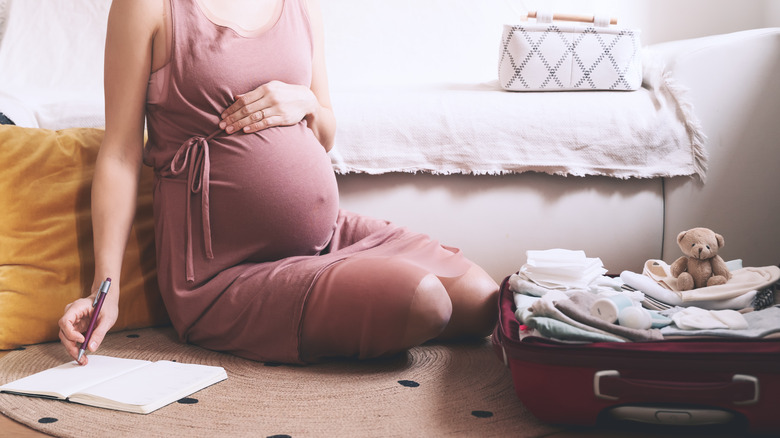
[548, 308]
[694, 318]
[742, 281]
[558, 330]
[523, 303]
[653, 289]
[760, 324]
[553, 328]
[578, 306]
[518, 283]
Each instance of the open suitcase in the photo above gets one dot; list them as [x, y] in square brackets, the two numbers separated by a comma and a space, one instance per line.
[676, 382]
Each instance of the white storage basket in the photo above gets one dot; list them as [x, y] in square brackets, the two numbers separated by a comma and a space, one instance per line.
[554, 56]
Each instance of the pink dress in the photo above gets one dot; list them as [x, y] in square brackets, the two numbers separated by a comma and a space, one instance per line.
[246, 224]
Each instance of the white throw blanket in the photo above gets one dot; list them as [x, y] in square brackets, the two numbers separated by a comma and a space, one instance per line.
[481, 129]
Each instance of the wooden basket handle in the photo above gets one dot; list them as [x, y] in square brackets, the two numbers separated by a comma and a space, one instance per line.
[573, 17]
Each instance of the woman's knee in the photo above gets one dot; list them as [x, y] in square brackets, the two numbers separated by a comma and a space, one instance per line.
[475, 304]
[485, 303]
[429, 312]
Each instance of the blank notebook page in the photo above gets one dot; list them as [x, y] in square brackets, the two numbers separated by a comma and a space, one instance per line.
[154, 382]
[72, 377]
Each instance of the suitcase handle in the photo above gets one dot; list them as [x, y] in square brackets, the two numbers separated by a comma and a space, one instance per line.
[741, 390]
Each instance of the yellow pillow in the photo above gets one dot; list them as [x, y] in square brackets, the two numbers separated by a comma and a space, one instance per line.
[46, 258]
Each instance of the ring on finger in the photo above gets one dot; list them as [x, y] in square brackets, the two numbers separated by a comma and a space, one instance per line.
[262, 115]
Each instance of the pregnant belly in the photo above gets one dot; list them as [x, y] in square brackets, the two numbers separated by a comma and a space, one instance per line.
[273, 194]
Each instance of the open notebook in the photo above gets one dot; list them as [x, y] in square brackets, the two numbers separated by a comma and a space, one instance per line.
[130, 385]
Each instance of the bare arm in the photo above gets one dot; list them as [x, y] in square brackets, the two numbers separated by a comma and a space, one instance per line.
[132, 25]
[279, 104]
[322, 121]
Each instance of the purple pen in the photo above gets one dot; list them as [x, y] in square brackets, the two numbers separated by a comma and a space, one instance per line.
[97, 304]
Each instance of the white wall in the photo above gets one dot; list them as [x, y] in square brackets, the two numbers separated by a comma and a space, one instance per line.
[371, 42]
[667, 20]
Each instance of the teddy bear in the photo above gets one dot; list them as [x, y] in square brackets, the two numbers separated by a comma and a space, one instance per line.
[701, 266]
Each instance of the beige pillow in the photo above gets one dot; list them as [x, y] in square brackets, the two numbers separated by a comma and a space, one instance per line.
[46, 258]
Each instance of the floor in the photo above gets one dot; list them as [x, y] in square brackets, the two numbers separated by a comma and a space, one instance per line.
[10, 428]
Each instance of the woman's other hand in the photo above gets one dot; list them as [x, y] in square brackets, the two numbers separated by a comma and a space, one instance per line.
[272, 104]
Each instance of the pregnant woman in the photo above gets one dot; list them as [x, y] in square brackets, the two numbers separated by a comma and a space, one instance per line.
[254, 256]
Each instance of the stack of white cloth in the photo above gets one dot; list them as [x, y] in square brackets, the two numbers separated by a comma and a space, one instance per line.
[562, 269]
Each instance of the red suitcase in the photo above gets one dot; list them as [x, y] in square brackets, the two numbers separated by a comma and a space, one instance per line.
[678, 382]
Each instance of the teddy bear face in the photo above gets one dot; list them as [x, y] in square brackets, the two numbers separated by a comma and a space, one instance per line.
[700, 243]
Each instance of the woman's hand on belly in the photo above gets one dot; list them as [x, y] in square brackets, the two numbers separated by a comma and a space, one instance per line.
[272, 104]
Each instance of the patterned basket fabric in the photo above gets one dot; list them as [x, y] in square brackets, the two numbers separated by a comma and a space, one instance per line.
[547, 56]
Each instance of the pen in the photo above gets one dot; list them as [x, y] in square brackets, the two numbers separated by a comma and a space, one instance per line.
[97, 304]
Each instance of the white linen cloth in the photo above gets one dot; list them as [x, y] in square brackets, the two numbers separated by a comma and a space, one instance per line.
[481, 129]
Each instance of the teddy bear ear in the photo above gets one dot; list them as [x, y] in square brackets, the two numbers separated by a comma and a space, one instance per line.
[681, 236]
[720, 240]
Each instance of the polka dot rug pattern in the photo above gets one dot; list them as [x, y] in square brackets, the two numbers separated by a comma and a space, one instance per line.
[432, 390]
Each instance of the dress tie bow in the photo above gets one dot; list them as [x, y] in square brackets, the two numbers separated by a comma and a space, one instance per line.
[193, 156]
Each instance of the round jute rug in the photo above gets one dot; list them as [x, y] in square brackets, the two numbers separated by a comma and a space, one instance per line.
[432, 390]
